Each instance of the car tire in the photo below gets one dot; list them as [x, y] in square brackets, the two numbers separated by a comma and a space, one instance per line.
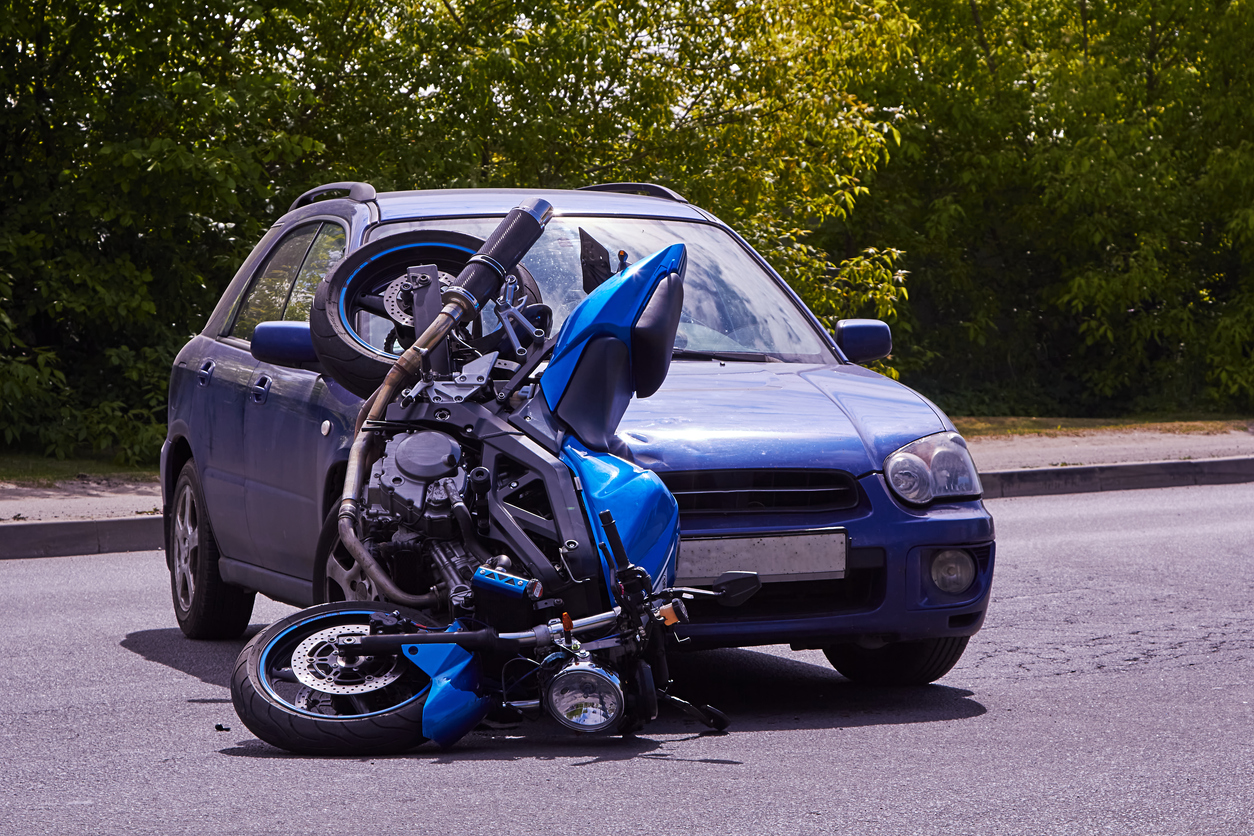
[206, 606]
[353, 364]
[900, 663]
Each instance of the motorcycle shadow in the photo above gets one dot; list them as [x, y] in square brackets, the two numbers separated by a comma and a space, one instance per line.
[759, 690]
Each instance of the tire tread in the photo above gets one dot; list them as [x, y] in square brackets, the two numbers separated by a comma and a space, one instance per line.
[902, 663]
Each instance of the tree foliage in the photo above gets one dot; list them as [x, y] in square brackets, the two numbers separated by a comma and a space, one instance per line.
[1074, 194]
[144, 147]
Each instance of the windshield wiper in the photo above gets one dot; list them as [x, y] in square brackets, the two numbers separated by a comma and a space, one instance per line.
[726, 356]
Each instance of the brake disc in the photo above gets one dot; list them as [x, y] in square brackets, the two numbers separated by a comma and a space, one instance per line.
[397, 301]
[319, 666]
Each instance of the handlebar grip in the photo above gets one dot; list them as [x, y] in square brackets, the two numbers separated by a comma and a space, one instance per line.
[482, 277]
[615, 541]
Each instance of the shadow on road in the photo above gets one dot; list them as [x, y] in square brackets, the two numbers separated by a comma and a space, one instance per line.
[210, 662]
[759, 691]
[763, 691]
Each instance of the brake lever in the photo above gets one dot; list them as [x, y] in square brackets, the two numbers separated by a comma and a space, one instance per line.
[686, 590]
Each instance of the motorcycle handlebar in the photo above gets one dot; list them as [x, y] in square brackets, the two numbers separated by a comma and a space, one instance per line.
[481, 279]
[487, 640]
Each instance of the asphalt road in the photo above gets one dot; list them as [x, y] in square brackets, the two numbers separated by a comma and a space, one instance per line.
[1110, 692]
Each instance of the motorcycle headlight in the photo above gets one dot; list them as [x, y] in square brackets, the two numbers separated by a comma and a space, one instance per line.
[935, 467]
[585, 697]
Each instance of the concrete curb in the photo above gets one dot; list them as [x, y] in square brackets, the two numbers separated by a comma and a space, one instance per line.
[72, 537]
[1044, 481]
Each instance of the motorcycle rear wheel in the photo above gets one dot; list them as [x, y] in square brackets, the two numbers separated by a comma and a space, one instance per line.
[363, 720]
[358, 285]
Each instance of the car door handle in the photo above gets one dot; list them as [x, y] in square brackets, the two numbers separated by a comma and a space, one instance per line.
[261, 389]
[205, 373]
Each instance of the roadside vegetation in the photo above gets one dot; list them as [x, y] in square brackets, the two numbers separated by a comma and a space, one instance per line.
[37, 470]
[988, 425]
[1051, 201]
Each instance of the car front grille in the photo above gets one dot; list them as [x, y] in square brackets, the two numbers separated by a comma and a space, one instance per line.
[757, 491]
[862, 589]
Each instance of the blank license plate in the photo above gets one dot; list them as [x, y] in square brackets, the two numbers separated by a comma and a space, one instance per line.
[813, 555]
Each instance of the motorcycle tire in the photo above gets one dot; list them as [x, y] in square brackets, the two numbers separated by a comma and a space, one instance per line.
[347, 356]
[206, 606]
[901, 663]
[274, 705]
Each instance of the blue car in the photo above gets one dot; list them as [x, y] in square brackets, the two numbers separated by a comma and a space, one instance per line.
[852, 496]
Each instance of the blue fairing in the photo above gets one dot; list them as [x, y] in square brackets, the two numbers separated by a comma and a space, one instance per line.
[610, 310]
[454, 706]
[644, 510]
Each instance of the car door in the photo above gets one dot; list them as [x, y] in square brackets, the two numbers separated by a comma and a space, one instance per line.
[286, 453]
[228, 372]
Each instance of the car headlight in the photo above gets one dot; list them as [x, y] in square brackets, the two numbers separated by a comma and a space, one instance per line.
[935, 467]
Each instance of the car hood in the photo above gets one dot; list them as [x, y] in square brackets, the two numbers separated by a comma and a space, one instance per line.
[714, 416]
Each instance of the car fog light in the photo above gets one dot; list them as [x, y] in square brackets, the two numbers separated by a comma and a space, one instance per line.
[953, 571]
[585, 697]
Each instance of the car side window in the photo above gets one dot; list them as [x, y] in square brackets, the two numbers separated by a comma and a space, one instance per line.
[268, 293]
[284, 287]
[326, 252]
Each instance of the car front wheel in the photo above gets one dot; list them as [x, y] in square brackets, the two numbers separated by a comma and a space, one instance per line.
[900, 663]
[206, 606]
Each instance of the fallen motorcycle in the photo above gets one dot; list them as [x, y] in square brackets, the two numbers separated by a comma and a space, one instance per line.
[500, 551]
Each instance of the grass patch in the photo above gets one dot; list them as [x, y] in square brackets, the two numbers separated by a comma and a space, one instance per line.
[41, 471]
[1182, 423]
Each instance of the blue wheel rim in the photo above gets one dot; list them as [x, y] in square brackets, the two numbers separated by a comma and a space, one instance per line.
[263, 671]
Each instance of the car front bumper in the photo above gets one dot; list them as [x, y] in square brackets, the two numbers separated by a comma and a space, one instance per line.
[886, 596]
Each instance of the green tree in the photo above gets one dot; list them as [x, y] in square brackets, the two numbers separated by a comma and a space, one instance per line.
[739, 106]
[144, 148]
[141, 147]
[1074, 194]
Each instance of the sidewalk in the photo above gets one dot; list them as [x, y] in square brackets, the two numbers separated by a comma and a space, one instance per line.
[82, 516]
[1108, 460]
[105, 515]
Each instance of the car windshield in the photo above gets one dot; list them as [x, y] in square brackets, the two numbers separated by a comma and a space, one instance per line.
[733, 309]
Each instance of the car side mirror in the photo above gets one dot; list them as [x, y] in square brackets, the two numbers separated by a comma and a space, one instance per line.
[287, 344]
[864, 340]
[734, 588]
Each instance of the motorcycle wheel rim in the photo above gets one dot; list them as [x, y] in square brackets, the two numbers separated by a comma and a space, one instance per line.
[290, 704]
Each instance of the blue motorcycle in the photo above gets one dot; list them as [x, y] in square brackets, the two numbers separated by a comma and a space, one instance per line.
[496, 549]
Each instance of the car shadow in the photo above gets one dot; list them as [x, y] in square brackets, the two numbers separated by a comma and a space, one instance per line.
[762, 690]
[208, 661]
[758, 690]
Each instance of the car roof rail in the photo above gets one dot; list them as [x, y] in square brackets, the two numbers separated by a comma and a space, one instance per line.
[650, 189]
[359, 192]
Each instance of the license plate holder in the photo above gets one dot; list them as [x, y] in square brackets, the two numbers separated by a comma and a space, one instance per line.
[818, 554]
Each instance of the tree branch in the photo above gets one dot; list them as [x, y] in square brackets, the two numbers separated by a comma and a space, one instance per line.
[979, 32]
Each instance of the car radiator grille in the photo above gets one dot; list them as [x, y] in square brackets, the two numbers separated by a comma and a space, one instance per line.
[767, 490]
[862, 589]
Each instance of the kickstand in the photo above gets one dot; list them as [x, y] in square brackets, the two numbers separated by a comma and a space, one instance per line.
[709, 715]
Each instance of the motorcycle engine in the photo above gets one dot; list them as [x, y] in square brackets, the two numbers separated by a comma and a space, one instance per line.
[401, 480]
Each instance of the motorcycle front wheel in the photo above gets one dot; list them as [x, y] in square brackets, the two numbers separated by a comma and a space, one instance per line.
[293, 692]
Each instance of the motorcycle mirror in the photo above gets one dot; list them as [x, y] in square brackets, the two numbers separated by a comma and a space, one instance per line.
[734, 588]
